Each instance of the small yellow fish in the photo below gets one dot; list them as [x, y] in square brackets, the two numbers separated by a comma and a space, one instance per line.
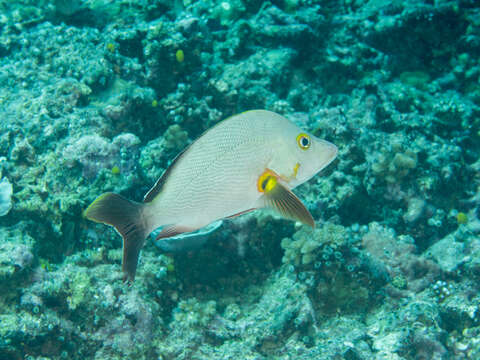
[251, 160]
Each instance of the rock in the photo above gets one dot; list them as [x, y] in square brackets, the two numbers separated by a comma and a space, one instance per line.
[448, 253]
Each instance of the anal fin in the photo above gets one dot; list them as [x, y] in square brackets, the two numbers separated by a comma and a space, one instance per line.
[173, 230]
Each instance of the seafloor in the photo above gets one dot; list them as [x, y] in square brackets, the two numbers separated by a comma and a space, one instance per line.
[100, 95]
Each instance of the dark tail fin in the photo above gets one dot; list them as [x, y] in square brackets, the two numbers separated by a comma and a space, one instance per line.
[126, 216]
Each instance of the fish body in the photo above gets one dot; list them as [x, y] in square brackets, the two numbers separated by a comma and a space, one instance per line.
[248, 161]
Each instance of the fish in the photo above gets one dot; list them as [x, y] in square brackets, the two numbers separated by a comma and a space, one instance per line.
[248, 161]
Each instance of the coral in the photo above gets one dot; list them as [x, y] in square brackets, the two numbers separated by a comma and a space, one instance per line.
[190, 313]
[452, 111]
[79, 286]
[17, 257]
[418, 79]
[175, 138]
[157, 154]
[67, 8]
[442, 289]
[306, 247]
[228, 11]
[448, 252]
[95, 153]
[110, 311]
[101, 96]
[394, 164]
[399, 259]
[6, 190]
[14, 258]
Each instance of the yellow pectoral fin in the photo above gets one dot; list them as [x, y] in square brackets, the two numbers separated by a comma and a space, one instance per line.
[284, 201]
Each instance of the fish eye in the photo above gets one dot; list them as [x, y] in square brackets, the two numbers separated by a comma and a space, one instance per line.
[303, 140]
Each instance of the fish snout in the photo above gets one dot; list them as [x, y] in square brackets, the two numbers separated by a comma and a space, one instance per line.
[326, 154]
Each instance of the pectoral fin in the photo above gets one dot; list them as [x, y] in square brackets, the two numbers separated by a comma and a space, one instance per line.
[280, 198]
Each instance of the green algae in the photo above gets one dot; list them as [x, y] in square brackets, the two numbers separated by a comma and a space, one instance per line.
[418, 79]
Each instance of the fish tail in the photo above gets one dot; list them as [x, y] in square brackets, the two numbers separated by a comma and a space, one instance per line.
[127, 218]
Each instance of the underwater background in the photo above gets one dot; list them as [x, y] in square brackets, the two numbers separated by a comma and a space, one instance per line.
[101, 95]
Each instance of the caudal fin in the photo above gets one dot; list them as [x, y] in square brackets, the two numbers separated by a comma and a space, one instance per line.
[126, 217]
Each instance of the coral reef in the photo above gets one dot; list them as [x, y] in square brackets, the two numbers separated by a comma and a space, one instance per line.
[101, 95]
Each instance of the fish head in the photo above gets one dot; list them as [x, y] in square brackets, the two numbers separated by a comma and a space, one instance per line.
[301, 155]
[315, 158]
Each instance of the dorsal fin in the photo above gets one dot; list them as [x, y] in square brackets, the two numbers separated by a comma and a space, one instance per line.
[157, 188]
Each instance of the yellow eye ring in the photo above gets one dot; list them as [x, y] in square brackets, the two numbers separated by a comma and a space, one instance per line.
[303, 140]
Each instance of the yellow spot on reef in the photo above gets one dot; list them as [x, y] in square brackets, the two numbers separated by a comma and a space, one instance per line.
[154, 103]
[170, 267]
[180, 56]
[45, 265]
[462, 218]
[111, 47]
[115, 170]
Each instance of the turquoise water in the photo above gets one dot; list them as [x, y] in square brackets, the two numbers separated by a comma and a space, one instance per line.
[100, 96]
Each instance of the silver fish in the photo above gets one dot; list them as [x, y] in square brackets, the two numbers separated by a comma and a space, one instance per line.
[251, 160]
